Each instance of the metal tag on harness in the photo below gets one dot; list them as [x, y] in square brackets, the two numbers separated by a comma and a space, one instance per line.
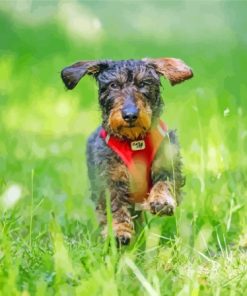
[138, 145]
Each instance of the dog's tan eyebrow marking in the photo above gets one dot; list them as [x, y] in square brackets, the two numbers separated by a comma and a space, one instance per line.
[146, 75]
[122, 77]
[114, 75]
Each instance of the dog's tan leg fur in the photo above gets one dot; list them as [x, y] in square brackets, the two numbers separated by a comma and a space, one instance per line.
[161, 200]
[122, 224]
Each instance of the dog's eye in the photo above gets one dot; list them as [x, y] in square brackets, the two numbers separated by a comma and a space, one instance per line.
[143, 83]
[114, 85]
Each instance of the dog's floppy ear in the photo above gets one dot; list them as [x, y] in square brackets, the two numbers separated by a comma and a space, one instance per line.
[71, 75]
[175, 70]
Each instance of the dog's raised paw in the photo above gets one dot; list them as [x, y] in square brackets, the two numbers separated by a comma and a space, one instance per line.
[160, 209]
[163, 206]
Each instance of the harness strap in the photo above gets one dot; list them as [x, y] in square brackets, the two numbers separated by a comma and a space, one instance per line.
[138, 157]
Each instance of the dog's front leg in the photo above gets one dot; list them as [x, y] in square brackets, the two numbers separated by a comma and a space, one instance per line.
[166, 177]
[161, 199]
[123, 226]
[122, 223]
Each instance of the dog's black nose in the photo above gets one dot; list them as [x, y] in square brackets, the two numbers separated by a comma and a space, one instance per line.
[130, 113]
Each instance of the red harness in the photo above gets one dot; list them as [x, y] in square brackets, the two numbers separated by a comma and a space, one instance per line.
[138, 157]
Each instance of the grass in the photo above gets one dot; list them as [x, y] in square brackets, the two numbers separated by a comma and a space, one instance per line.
[50, 242]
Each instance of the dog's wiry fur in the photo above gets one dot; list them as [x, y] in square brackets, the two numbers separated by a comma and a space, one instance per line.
[124, 86]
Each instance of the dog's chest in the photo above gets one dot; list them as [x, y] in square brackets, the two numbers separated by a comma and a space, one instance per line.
[137, 157]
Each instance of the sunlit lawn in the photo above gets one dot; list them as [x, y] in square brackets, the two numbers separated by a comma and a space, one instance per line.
[49, 237]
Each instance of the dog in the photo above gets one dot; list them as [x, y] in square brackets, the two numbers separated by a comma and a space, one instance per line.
[132, 157]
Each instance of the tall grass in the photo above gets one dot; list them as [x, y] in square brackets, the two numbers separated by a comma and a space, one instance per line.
[50, 242]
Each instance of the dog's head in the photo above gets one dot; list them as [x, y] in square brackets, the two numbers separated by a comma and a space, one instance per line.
[129, 90]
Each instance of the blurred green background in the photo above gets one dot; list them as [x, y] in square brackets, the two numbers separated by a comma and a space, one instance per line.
[47, 219]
